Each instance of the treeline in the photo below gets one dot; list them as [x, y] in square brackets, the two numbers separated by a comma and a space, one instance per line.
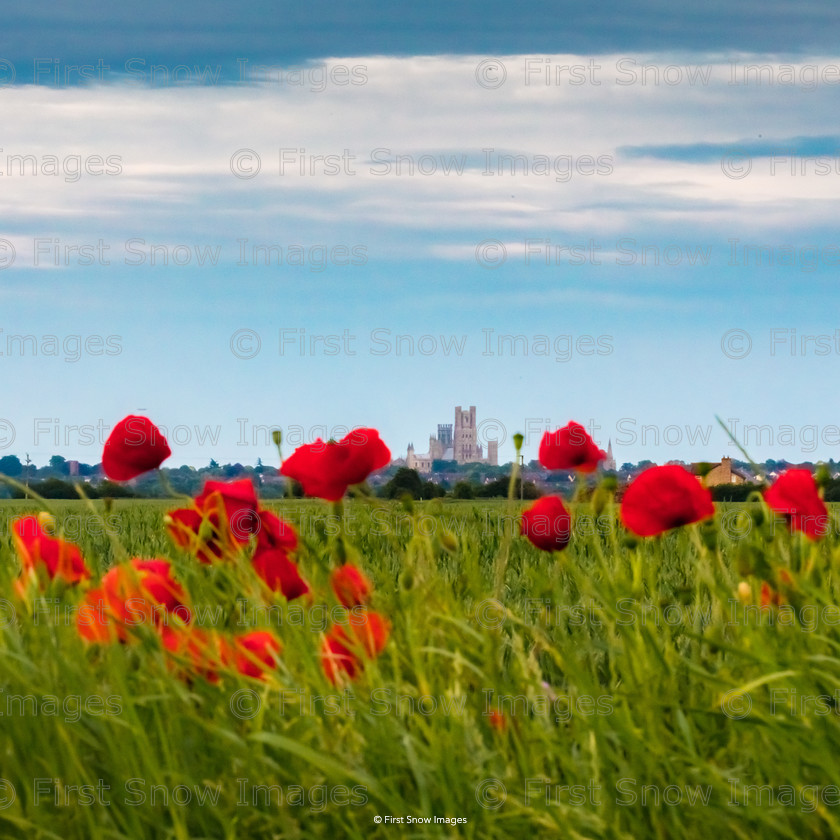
[55, 488]
[408, 482]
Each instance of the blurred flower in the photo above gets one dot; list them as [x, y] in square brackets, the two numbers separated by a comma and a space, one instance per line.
[135, 446]
[345, 648]
[141, 592]
[772, 597]
[337, 661]
[276, 539]
[224, 518]
[256, 653]
[279, 573]
[326, 470]
[795, 494]
[39, 551]
[769, 597]
[351, 586]
[570, 448]
[662, 498]
[275, 533]
[547, 524]
[205, 651]
[497, 720]
[195, 533]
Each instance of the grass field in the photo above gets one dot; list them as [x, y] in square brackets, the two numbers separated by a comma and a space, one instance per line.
[622, 688]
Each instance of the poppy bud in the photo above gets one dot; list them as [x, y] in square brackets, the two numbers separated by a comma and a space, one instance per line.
[449, 542]
[47, 522]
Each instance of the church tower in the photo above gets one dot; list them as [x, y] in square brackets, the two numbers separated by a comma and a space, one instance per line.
[465, 441]
[609, 462]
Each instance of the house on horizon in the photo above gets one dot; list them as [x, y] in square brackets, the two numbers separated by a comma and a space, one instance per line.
[724, 473]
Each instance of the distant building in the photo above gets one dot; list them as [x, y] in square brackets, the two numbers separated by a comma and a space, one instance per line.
[608, 464]
[723, 473]
[72, 468]
[454, 442]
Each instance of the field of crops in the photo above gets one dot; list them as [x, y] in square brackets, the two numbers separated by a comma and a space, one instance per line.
[625, 687]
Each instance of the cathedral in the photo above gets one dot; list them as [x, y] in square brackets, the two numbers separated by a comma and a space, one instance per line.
[455, 442]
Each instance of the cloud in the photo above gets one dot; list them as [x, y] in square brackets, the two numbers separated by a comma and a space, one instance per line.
[422, 158]
[827, 146]
[212, 35]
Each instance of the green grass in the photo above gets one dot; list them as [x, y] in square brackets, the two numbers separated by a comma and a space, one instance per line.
[642, 698]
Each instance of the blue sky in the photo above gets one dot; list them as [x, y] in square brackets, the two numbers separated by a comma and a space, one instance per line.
[625, 217]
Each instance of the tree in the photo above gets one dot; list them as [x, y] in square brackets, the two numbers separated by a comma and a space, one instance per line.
[11, 465]
[432, 490]
[405, 481]
[463, 490]
[498, 489]
[50, 488]
[59, 465]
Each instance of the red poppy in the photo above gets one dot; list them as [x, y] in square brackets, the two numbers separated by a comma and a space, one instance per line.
[275, 533]
[188, 530]
[279, 573]
[351, 586]
[347, 646]
[497, 720]
[141, 588]
[132, 594]
[662, 498]
[276, 539]
[224, 517]
[795, 495]
[337, 661]
[326, 470]
[135, 446]
[771, 597]
[204, 652]
[547, 524]
[93, 620]
[570, 448]
[238, 501]
[256, 653]
[39, 550]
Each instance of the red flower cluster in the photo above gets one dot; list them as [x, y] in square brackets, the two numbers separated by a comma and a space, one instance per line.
[206, 653]
[224, 520]
[41, 553]
[135, 446]
[326, 470]
[662, 498]
[346, 648]
[141, 592]
[547, 524]
[795, 495]
[144, 593]
[225, 517]
[570, 448]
